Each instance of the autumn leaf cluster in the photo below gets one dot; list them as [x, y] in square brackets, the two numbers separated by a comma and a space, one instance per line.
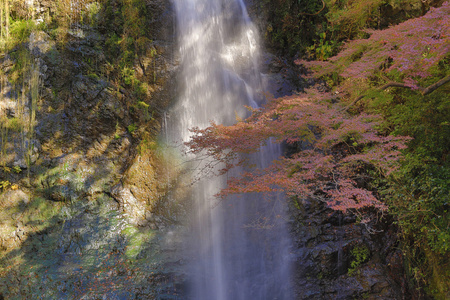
[337, 153]
[336, 150]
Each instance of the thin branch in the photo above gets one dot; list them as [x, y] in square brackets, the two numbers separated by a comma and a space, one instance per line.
[394, 84]
[436, 85]
[424, 91]
[315, 14]
[351, 104]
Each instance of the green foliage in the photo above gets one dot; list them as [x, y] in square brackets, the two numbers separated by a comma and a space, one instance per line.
[422, 117]
[348, 18]
[142, 105]
[127, 75]
[67, 13]
[112, 45]
[298, 26]
[126, 44]
[323, 49]
[422, 204]
[4, 184]
[132, 128]
[293, 25]
[14, 124]
[360, 254]
[419, 194]
[93, 76]
[21, 30]
[127, 22]
[153, 53]
[91, 14]
[149, 145]
[16, 169]
[140, 91]
[419, 198]
[143, 110]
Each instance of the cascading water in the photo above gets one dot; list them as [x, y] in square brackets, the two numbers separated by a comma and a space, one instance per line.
[240, 245]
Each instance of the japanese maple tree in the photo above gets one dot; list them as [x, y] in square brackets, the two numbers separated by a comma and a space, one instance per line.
[339, 148]
[337, 152]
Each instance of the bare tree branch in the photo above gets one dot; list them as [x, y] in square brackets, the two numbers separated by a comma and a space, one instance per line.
[436, 85]
[394, 84]
[424, 91]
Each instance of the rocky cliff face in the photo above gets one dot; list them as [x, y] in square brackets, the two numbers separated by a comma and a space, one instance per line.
[338, 257]
[83, 119]
[93, 187]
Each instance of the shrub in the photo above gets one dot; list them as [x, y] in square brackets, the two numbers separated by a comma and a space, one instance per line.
[132, 128]
[360, 254]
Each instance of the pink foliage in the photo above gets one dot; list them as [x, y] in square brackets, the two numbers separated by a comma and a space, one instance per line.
[413, 47]
[339, 144]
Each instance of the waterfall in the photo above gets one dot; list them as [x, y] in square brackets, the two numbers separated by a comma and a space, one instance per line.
[240, 246]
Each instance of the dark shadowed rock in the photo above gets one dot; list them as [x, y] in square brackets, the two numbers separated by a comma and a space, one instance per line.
[326, 267]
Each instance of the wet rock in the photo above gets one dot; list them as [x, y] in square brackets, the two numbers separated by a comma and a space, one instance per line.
[279, 78]
[325, 242]
[271, 63]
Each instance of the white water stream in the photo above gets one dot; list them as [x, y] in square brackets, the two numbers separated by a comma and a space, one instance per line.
[240, 246]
